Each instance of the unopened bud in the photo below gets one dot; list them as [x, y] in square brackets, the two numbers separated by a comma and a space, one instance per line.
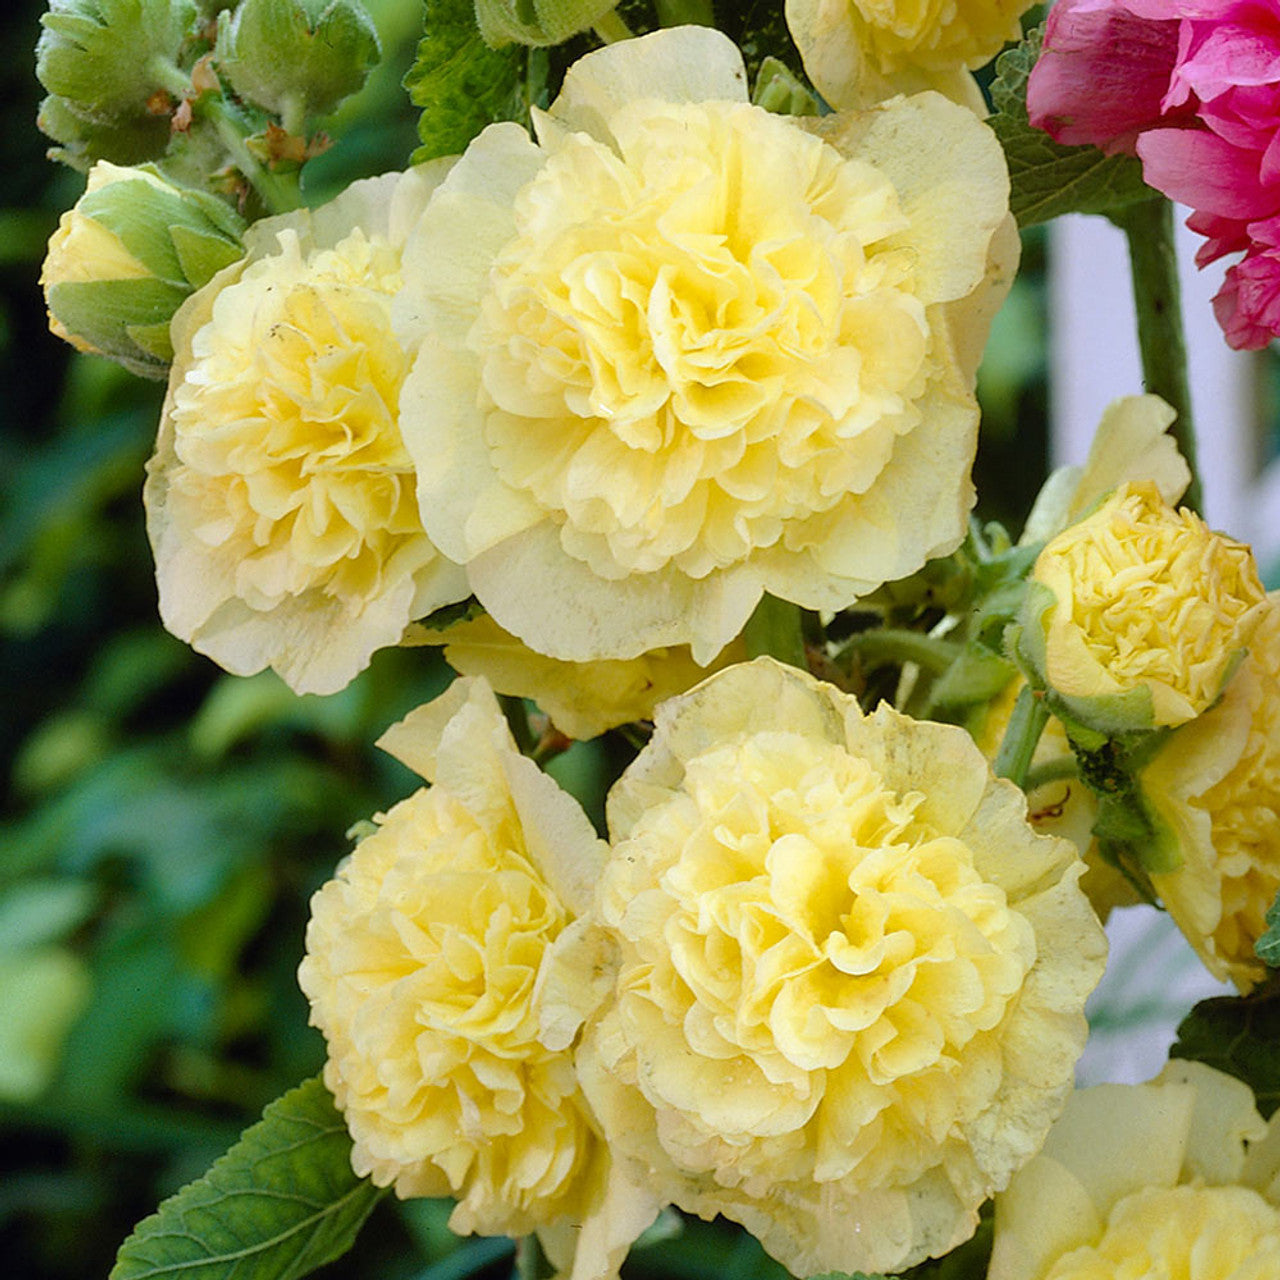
[283, 54]
[126, 257]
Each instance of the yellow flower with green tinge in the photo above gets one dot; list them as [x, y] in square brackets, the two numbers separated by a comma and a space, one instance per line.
[1141, 600]
[847, 978]
[680, 351]
[281, 499]
[422, 968]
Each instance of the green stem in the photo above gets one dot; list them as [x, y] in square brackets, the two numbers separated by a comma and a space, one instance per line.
[280, 193]
[611, 27]
[890, 644]
[1157, 297]
[170, 76]
[1018, 747]
[531, 1262]
[1063, 769]
[776, 629]
[676, 13]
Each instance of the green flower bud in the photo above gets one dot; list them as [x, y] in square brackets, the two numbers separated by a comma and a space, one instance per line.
[537, 22]
[291, 55]
[126, 257]
[111, 60]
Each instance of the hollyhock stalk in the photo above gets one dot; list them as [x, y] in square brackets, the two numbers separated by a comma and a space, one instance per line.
[1153, 264]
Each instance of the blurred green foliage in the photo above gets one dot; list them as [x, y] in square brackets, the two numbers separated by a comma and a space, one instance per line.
[164, 824]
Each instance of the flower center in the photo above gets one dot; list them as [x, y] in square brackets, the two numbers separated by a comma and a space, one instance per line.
[699, 338]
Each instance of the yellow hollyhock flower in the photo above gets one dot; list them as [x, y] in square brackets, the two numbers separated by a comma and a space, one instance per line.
[582, 699]
[1171, 1178]
[858, 51]
[1140, 602]
[1216, 783]
[422, 968]
[846, 987]
[281, 499]
[680, 351]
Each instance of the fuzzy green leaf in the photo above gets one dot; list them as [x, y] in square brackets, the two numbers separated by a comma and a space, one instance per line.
[1238, 1036]
[1049, 179]
[460, 83]
[282, 1202]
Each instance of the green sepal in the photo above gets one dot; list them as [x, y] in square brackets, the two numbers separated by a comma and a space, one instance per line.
[1047, 179]
[83, 142]
[282, 1202]
[201, 255]
[775, 629]
[780, 90]
[460, 83]
[102, 57]
[101, 313]
[305, 53]
[154, 339]
[536, 22]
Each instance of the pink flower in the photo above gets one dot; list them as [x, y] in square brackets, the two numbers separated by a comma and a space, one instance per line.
[1103, 73]
[1192, 87]
[1248, 304]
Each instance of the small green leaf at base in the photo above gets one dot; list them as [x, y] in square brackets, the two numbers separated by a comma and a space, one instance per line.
[282, 1202]
[1267, 948]
[1238, 1036]
[1049, 179]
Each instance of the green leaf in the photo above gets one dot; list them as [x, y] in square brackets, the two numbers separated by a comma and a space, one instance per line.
[1049, 179]
[1268, 946]
[775, 629]
[460, 83]
[538, 22]
[1238, 1036]
[282, 1202]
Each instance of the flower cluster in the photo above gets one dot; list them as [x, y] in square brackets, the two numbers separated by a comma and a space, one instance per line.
[1194, 89]
[832, 982]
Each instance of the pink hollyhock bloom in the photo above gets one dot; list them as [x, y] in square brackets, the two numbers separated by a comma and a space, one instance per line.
[1103, 72]
[1248, 304]
[1192, 87]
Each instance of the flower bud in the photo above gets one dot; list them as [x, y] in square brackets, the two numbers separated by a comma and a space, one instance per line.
[123, 260]
[1137, 615]
[284, 54]
[106, 59]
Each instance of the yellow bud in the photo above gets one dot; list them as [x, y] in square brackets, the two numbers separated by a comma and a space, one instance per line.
[1145, 597]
